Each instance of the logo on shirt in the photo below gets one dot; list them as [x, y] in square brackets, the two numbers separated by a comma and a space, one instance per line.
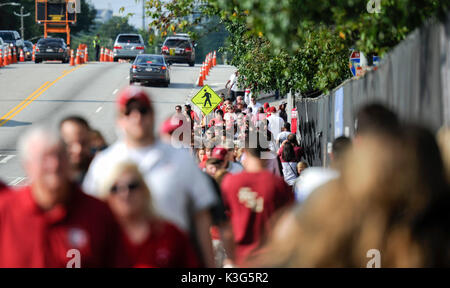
[162, 257]
[78, 238]
[251, 200]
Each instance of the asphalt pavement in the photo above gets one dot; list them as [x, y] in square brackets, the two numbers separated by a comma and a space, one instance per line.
[34, 93]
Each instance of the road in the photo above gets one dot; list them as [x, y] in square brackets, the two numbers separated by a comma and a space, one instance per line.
[33, 93]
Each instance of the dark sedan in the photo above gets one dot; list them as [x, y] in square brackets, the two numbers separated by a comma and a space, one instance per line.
[150, 68]
[52, 49]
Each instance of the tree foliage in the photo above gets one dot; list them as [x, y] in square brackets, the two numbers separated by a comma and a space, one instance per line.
[114, 26]
[284, 22]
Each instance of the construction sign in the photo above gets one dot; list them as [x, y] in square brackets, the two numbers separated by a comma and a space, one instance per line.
[206, 99]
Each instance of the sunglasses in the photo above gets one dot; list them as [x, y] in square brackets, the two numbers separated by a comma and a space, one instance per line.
[130, 187]
[141, 110]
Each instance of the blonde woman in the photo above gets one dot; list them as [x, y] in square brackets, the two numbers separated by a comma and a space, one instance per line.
[443, 139]
[150, 240]
[300, 167]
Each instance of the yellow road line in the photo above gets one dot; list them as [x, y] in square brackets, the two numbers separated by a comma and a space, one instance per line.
[34, 96]
[21, 103]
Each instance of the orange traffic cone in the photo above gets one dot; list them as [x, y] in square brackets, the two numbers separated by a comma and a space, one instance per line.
[22, 57]
[72, 58]
[81, 56]
[86, 59]
[204, 71]
[7, 57]
[14, 56]
[34, 53]
[111, 56]
[1, 57]
[200, 78]
[10, 59]
[106, 55]
[214, 59]
[209, 61]
[78, 59]
[102, 57]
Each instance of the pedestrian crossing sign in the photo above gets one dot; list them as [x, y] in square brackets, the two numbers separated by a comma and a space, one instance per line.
[206, 99]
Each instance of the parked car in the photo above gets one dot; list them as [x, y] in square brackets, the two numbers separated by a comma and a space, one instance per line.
[179, 49]
[52, 49]
[3, 46]
[150, 68]
[28, 50]
[128, 46]
[12, 38]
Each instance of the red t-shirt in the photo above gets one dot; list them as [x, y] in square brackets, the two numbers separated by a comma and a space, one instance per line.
[194, 116]
[165, 247]
[31, 237]
[298, 151]
[3, 187]
[251, 199]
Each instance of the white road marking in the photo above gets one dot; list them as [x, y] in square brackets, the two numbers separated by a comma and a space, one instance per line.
[115, 91]
[6, 159]
[16, 181]
[99, 109]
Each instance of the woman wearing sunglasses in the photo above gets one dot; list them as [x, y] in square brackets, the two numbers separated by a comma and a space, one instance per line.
[150, 240]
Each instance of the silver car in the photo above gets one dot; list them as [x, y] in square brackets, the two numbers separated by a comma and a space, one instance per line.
[128, 46]
[3, 47]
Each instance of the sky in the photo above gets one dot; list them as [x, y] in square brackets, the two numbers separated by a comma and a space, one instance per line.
[130, 7]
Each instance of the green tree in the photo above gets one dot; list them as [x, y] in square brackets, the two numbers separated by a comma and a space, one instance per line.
[284, 22]
[114, 26]
[303, 45]
[85, 19]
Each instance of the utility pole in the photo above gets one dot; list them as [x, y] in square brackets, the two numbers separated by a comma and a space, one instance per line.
[143, 15]
[21, 15]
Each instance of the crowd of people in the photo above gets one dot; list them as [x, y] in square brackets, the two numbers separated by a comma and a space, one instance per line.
[234, 190]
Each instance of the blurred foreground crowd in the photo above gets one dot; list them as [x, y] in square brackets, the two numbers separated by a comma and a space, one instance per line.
[234, 191]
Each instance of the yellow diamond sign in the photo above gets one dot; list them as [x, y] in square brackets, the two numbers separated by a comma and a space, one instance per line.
[206, 99]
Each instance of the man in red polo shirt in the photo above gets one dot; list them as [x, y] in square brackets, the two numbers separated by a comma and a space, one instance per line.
[51, 223]
[252, 197]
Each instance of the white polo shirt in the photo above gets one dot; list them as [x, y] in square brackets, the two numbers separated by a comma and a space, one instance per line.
[171, 174]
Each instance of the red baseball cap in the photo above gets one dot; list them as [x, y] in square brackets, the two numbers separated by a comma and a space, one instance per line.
[132, 93]
[266, 105]
[219, 152]
[170, 125]
[273, 109]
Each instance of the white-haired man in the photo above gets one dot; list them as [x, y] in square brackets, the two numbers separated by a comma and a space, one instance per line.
[51, 223]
